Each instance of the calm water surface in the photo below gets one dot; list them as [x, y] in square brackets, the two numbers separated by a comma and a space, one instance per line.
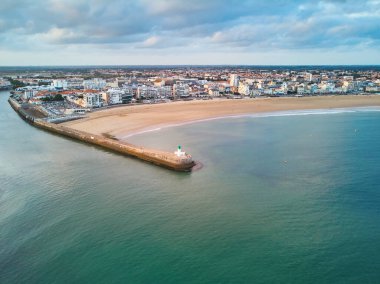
[287, 199]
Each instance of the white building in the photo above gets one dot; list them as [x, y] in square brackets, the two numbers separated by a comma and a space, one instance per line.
[165, 91]
[59, 84]
[181, 90]
[308, 77]
[328, 88]
[4, 83]
[301, 89]
[244, 89]
[348, 86]
[74, 83]
[115, 96]
[214, 92]
[234, 80]
[29, 93]
[147, 92]
[94, 84]
[113, 84]
[91, 100]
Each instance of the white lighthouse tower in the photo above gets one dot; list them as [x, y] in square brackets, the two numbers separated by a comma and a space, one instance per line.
[179, 152]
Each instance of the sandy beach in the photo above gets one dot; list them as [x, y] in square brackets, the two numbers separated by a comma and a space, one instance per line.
[122, 122]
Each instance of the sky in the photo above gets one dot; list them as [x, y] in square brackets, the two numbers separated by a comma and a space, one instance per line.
[199, 32]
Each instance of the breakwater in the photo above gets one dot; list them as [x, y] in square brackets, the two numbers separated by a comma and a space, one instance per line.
[160, 158]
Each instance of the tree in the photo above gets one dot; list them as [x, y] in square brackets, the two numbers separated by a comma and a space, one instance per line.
[16, 83]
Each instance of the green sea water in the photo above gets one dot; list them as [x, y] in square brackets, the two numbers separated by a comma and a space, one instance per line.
[280, 199]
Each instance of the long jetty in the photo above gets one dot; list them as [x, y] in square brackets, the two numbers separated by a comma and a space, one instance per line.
[168, 160]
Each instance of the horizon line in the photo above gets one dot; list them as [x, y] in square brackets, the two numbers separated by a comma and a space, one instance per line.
[196, 65]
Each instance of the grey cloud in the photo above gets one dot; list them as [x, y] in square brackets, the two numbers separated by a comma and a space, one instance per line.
[170, 23]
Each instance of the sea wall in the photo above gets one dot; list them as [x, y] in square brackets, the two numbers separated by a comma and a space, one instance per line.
[160, 158]
[17, 107]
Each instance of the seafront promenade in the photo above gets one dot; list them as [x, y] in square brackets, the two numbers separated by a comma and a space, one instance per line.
[165, 159]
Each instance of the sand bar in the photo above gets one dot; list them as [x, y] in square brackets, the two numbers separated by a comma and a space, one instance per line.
[123, 121]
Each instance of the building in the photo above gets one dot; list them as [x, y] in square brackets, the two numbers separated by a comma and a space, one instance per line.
[181, 90]
[159, 82]
[301, 89]
[5, 84]
[75, 83]
[113, 84]
[234, 80]
[165, 91]
[308, 77]
[214, 92]
[147, 92]
[59, 84]
[91, 100]
[94, 84]
[244, 89]
[29, 93]
[115, 96]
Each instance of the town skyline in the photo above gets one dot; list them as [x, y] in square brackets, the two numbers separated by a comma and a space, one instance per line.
[173, 32]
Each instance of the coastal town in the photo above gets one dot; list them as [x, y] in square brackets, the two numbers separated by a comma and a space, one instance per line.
[68, 93]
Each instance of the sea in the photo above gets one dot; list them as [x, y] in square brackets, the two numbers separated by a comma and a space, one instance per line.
[291, 197]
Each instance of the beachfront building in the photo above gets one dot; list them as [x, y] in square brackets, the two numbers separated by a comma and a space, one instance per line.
[165, 91]
[181, 90]
[313, 89]
[234, 80]
[327, 87]
[91, 100]
[347, 86]
[212, 89]
[114, 96]
[372, 89]
[244, 89]
[197, 91]
[301, 89]
[224, 88]
[130, 90]
[214, 92]
[147, 92]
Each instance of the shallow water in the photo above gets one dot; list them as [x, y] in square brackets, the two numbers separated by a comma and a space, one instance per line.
[284, 199]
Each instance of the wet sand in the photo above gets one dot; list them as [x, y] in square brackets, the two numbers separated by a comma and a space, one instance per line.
[122, 122]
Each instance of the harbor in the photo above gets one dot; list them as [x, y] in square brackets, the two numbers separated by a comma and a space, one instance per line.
[178, 161]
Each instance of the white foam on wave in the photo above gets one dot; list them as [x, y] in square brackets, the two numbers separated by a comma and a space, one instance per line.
[262, 115]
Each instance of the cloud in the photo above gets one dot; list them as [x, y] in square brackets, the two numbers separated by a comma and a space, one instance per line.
[152, 41]
[191, 26]
[58, 35]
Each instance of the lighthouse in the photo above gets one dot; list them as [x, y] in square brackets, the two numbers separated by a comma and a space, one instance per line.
[179, 152]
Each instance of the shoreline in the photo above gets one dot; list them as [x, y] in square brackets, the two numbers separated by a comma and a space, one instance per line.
[299, 112]
[128, 121]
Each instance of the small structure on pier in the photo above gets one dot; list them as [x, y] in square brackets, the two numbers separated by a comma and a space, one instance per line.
[179, 152]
